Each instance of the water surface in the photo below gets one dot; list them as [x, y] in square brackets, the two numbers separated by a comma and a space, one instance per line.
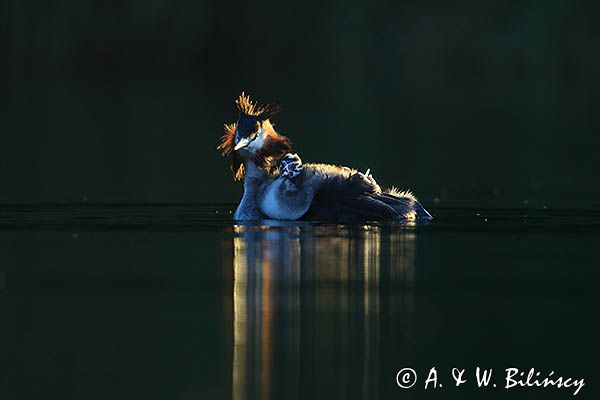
[177, 301]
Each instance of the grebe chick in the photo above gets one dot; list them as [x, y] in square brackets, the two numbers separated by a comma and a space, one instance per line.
[277, 185]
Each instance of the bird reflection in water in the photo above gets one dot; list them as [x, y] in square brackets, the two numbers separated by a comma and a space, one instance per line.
[307, 309]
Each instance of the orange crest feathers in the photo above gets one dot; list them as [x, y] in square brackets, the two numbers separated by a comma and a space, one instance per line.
[245, 106]
[227, 142]
[226, 146]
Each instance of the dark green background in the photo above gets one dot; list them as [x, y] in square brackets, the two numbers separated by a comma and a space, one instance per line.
[493, 102]
[487, 110]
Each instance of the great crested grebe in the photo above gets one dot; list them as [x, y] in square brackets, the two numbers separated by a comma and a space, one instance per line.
[277, 185]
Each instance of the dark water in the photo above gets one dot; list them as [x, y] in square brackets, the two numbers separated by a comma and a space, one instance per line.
[177, 302]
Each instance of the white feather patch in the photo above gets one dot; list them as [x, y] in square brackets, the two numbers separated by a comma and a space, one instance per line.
[257, 143]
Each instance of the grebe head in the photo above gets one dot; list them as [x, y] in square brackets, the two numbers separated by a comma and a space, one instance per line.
[252, 137]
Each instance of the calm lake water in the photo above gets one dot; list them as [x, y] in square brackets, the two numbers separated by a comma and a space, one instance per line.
[178, 302]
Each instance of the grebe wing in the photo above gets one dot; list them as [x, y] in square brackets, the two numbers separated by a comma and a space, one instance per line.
[363, 207]
[351, 195]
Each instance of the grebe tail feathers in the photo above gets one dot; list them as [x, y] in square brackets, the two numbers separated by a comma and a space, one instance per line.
[405, 203]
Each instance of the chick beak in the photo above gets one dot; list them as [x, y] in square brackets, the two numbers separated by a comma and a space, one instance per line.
[241, 143]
